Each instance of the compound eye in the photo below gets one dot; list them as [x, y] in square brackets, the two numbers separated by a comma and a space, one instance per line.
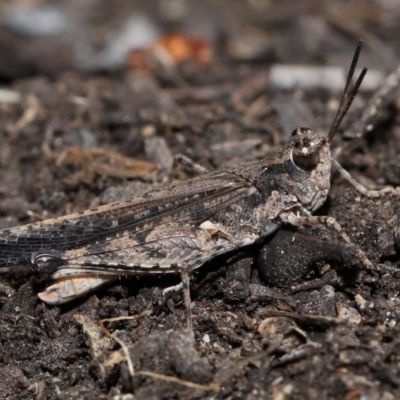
[306, 162]
[306, 153]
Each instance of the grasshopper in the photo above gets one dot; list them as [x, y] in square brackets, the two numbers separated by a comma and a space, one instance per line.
[178, 228]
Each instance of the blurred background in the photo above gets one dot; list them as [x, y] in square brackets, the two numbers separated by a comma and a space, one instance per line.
[39, 37]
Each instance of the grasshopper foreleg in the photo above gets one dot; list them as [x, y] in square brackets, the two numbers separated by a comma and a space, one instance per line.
[359, 187]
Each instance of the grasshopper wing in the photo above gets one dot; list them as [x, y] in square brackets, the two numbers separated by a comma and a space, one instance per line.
[191, 200]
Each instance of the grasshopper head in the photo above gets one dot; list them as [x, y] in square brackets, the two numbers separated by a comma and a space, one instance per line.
[307, 158]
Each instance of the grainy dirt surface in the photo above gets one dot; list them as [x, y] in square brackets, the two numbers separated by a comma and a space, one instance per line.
[295, 317]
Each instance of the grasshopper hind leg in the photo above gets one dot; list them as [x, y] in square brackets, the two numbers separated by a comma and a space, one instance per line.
[65, 290]
[70, 286]
[184, 286]
[186, 296]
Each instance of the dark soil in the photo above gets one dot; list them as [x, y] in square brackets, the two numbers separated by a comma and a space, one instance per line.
[295, 317]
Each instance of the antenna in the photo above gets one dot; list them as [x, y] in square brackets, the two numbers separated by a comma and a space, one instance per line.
[347, 98]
